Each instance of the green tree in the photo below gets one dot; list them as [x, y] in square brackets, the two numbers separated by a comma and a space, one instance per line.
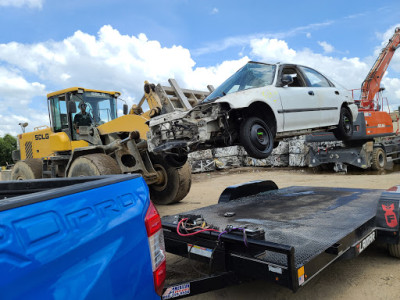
[8, 144]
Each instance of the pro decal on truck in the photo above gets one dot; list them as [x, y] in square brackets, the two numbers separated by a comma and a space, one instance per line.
[80, 238]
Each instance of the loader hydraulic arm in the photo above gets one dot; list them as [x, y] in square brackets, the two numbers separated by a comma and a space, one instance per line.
[371, 85]
[153, 102]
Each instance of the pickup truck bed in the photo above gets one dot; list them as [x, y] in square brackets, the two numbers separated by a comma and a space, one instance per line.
[291, 234]
[75, 238]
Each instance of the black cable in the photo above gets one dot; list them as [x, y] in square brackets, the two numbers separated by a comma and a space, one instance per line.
[211, 259]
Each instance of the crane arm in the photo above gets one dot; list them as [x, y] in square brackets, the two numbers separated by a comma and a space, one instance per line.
[371, 84]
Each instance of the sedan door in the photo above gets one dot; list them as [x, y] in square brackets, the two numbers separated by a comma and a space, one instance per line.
[300, 106]
[329, 97]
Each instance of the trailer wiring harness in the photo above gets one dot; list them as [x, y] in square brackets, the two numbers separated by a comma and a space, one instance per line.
[195, 224]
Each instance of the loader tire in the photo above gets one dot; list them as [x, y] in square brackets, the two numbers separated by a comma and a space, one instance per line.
[378, 159]
[394, 250]
[28, 169]
[93, 165]
[176, 161]
[174, 183]
[185, 182]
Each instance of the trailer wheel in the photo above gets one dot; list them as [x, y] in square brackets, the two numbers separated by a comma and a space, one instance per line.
[378, 159]
[344, 130]
[394, 250]
[173, 184]
[93, 165]
[256, 137]
[28, 169]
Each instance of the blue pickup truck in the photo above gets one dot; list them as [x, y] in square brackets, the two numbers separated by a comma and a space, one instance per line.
[80, 238]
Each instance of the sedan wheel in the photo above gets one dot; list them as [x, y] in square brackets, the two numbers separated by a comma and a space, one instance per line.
[256, 137]
[344, 131]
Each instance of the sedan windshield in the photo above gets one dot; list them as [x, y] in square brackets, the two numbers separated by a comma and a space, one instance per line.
[252, 75]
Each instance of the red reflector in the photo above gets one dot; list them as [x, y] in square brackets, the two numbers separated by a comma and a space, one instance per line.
[159, 277]
[152, 220]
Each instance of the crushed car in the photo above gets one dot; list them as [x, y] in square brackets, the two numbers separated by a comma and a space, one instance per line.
[257, 107]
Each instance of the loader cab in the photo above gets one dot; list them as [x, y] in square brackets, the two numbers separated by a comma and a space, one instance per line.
[100, 105]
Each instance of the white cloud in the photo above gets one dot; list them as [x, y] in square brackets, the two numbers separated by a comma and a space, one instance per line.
[328, 48]
[272, 50]
[347, 71]
[215, 75]
[243, 40]
[392, 91]
[214, 11]
[21, 3]
[308, 35]
[17, 90]
[108, 61]
[395, 63]
[16, 94]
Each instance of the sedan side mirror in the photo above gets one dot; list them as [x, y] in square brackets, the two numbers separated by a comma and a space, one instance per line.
[286, 80]
[71, 107]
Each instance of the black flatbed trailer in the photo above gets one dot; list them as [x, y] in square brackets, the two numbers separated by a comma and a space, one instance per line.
[284, 235]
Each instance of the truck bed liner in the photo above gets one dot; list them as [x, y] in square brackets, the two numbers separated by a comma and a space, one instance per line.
[310, 219]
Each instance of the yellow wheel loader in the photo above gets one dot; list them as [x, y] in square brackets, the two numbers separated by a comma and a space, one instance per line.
[86, 138]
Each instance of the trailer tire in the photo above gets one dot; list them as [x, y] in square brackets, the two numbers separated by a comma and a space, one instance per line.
[256, 137]
[394, 250]
[379, 159]
[174, 183]
[93, 165]
[29, 169]
[344, 130]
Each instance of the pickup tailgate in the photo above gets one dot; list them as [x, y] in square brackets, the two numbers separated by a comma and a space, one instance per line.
[87, 240]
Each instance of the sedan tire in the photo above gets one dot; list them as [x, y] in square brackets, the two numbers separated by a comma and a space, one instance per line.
[256, 137]
[344, 130]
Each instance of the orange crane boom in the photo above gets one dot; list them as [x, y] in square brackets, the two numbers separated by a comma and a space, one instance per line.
[371, 85]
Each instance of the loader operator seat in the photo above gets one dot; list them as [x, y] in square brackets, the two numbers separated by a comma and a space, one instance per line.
[82, 118]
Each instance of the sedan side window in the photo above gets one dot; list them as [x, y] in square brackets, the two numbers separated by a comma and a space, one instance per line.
[315, 79]
[298, 80]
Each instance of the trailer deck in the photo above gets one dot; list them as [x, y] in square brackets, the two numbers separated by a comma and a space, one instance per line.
[284, 235]
[310, 219]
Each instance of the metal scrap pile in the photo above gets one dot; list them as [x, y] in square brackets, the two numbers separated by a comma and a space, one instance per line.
[290, 152]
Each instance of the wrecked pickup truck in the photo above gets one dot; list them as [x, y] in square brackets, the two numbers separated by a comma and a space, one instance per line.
[256, 107]
[80, 238]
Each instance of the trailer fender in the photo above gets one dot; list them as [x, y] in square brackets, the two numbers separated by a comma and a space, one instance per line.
[387, 215]
[246, 189]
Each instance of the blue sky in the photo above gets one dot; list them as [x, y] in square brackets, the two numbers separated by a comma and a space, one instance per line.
[47, 45]
[350, 25]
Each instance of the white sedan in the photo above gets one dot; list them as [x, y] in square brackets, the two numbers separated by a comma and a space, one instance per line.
[256, 107]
